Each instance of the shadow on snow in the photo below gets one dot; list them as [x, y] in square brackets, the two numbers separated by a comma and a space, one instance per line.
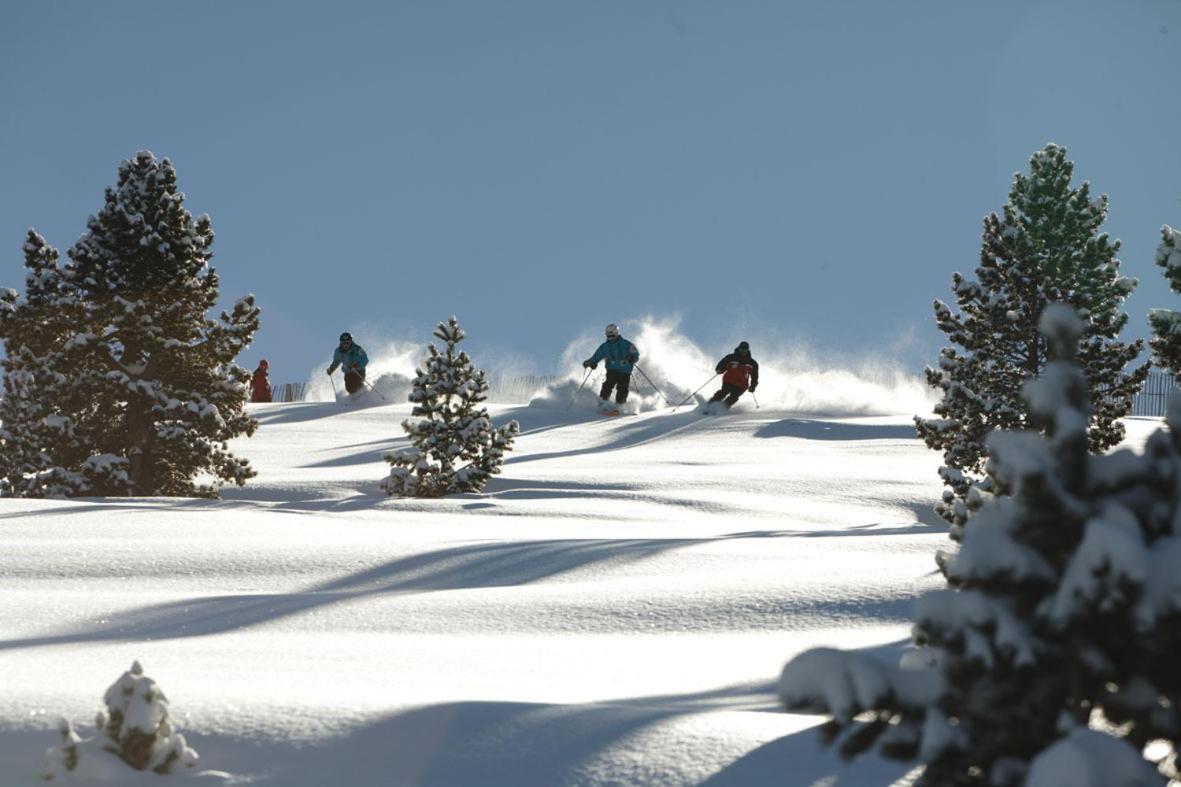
[836, 430]
[514, 744]
[489, 565]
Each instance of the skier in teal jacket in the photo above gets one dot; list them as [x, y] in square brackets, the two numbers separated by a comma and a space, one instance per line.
[621, 356]
[352, 358]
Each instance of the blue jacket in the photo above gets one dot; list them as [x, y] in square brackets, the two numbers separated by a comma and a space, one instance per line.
[621, 355]
[354, 356]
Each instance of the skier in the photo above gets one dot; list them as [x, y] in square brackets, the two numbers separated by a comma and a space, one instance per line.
[352, 358]
[621, 356]
[740, 373]
[260, 384]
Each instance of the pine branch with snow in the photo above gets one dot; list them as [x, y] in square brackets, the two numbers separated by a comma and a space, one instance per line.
[1044, 247]
[1062, 617]
[1166, 323]
[41, 452]
[454, 445]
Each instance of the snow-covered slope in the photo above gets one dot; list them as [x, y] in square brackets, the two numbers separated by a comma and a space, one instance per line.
[615, 609]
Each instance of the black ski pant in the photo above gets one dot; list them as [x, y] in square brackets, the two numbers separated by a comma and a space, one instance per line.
[728, 392]
[353, 381]
[620, 381]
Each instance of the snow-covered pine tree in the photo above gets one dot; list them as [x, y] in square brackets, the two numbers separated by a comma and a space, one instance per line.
[148, 384]
[1166, 323]
[1055, 644]
[135, 727]
[455, 449]
[35, 330]
[1045, 247]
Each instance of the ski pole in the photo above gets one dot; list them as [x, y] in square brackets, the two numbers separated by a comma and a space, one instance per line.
[654, 388]
[690, 396]
[371, 388]
[332, 380]
[585, 377]
[752, 396]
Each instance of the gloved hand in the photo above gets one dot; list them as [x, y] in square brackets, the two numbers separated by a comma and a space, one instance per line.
[589, 365]
[753, 387]
[329, 372]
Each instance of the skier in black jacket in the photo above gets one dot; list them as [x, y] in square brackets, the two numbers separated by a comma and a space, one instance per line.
[740, 373]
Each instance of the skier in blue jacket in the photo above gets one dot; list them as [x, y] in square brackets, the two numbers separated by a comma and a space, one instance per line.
[352, 358]
[621, 356]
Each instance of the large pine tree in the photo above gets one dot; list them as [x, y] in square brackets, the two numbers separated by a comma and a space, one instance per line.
[1044, 247]
[1062, 615]
[455, 448]
[1166, 323]
[138, 388]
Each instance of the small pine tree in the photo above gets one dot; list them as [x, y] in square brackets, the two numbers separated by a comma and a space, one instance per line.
[1046, 247]
[455, 449]
[63, 759]
[134, 727]
[120, 382]
[1166, 323]
[1063, 613]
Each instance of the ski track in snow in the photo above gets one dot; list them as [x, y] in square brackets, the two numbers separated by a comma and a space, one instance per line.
[614, 609]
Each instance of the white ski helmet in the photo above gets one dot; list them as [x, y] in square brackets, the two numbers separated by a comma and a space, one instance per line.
[612, 331]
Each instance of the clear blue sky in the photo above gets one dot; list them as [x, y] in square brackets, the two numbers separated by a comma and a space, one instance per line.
[804, 170]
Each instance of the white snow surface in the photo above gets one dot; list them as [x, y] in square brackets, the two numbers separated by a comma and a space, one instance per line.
[1087, 758]
[614, 609]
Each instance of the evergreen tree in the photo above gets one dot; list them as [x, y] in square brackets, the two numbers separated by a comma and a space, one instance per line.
[1166, 323]
[35, 331]
[142, 385]
[455, 449]
[135, 727]
[1063, 613]
[1045, 247]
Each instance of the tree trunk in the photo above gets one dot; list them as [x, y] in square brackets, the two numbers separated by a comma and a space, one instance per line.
[139, 433]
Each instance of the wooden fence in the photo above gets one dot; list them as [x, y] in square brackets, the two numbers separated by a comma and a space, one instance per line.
[1151, 402]
[508, 390]
[1153, 399]
[289, 392]
[518, 390]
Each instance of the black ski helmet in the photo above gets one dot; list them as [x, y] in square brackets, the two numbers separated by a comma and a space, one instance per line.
[743, 347]
[346, 337]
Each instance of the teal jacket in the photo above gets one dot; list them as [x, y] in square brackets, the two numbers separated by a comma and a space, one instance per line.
[621, 355]
[354, 357]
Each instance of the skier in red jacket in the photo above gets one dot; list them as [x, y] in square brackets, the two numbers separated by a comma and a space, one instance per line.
[260, 384]
[740, 373]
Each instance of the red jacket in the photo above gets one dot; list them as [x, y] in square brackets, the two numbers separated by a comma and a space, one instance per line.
[741, 371]
[260, 386]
